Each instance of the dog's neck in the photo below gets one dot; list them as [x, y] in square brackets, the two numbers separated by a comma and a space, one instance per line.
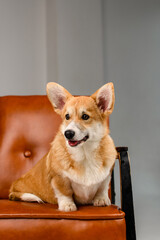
[86, 151]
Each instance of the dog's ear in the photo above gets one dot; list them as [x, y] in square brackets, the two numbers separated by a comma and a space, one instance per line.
[57, 95]
[104, 98]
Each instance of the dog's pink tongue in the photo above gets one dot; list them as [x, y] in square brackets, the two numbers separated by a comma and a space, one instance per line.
[73, 143]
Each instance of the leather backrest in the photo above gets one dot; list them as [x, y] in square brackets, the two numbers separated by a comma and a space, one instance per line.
[28, 124]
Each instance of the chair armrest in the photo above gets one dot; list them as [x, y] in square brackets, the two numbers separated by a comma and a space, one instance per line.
[126, 192]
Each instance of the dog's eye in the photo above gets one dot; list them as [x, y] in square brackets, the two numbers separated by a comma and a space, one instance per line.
[67, 116]
[85, 116]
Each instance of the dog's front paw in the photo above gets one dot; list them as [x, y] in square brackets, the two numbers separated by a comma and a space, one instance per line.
[101, 201]
[67, 206]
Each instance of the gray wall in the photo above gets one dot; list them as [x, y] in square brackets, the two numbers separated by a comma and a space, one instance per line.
[50, 40]
[132, 62]
[22, 47]
[79, 45]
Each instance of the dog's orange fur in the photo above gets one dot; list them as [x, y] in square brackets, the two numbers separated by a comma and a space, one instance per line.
[48, 174]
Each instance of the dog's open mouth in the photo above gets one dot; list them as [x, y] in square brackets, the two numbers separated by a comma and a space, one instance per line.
[75, 143]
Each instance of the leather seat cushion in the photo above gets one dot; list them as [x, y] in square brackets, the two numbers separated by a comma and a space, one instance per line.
[62, 229]
[12, 209]
[21, 220]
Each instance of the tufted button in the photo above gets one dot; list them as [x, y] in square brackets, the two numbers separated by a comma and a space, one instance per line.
[27, 154]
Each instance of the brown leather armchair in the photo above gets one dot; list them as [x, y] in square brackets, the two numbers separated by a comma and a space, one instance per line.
[27, 126]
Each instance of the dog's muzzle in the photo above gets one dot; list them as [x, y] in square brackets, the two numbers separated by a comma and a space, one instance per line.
[69, 134]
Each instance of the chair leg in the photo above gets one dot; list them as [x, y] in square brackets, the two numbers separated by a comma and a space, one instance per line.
[126, 193]
[113, 194]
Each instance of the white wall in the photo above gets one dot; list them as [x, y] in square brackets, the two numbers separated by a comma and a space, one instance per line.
[132, 62]
[22, 47]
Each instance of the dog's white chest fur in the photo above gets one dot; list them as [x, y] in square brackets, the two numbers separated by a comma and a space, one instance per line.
[84, 194]
[85, 184]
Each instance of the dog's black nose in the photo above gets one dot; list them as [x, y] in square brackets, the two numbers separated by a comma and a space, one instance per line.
[69, 134]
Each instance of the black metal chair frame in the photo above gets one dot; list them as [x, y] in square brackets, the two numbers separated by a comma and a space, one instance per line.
[126, 191]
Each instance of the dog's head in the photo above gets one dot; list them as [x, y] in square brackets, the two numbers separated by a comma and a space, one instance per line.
[84, 118]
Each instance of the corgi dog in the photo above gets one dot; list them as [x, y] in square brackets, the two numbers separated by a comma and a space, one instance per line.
[77, 169]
